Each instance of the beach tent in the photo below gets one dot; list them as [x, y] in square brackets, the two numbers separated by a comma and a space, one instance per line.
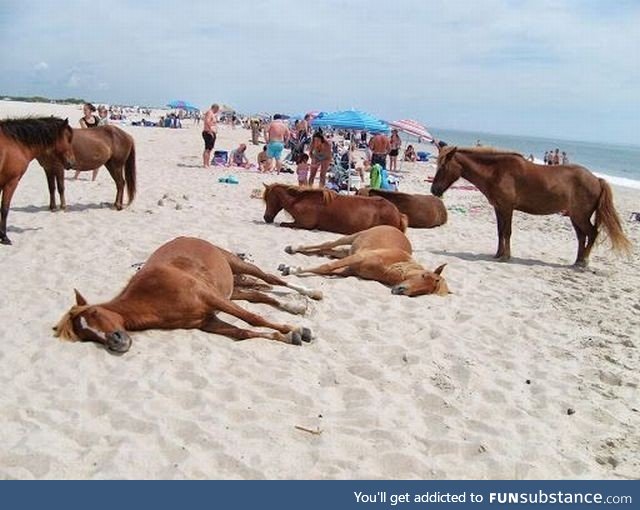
[412, 127]
[351, 119]
[178, 104]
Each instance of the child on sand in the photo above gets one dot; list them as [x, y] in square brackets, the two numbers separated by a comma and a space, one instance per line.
[263, 160]
[303, 170]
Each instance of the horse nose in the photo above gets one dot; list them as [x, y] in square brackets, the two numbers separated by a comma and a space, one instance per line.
[119, 341]
[398, 289]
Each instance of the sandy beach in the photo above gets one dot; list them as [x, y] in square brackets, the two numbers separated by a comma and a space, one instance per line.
[477, 384]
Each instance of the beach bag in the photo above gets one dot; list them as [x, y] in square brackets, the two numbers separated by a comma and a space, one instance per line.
[375, 176]
[423, 156]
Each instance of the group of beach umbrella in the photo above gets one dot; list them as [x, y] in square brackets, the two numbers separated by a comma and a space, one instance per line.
[363, 121]
[346, 119]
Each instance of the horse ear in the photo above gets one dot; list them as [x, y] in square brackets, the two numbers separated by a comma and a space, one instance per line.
[80, 300]
[66, 121]
[439, 269]
[265, 186]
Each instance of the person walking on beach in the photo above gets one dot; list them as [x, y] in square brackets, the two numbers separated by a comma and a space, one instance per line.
[321, 154]
[277, 134]
[394, 143]
[380, 146]
[209, 133]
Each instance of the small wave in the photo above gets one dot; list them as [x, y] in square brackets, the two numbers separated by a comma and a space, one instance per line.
[620, 181]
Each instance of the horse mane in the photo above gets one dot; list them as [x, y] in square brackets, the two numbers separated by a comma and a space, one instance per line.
[34, 131]
[484, 150]
[64, 328]
[301, 191]
[406, 267]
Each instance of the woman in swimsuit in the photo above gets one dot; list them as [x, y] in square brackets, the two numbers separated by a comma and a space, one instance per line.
[89, 120]
[320, 158]
[395, 144]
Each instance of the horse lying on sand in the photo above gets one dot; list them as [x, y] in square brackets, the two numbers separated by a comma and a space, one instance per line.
[511, 182]
[105, 145]
[326, 210]
[183, 285]
[380, 253]
[423, 211]
[22, 140]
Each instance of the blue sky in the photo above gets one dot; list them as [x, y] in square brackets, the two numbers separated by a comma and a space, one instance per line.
[567, 69]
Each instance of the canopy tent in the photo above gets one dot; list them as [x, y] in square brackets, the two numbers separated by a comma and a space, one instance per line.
[351, 119]
[412, 127]
[178, 104]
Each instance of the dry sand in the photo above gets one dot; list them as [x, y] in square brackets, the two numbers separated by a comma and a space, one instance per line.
[474, 385]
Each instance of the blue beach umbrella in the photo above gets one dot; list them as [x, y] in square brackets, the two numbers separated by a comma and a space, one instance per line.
[181, 105]
[351, 119]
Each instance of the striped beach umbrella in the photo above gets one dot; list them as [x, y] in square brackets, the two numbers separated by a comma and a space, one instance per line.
[412, 127]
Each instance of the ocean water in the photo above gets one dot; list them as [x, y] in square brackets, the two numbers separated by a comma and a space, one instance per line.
[619, 164]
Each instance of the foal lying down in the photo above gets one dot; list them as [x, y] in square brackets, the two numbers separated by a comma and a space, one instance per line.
[381, 253]
[183, 285]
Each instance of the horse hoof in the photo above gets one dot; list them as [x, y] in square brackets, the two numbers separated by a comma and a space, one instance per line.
[5, 240]
[306, 335]
[289, 249]
[296, 338]
[285, 270]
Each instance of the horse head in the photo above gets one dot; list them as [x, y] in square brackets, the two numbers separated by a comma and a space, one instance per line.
[448, 172]
[423, 282]
[273, 202]
[62, 148]
[95, 323]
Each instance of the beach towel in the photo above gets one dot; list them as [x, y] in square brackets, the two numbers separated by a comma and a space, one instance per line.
[375, 177]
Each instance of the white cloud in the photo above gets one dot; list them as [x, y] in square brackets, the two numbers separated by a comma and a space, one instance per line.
[41, 66]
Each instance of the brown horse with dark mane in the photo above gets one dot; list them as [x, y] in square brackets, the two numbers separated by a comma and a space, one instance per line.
[326, 210]
[423, 211]
[106, 145]
[510, 182]
[183, 285]
[380, 253]
[22, 140]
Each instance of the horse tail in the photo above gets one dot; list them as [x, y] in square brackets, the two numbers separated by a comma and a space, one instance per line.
[607, 216]
[130, 173]
[404, 222]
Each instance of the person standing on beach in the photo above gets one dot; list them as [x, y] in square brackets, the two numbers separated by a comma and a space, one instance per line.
[546, 157]
[565, 158]
[394, 144]
[380, 146]
[277, 134]
[321, 154]
[209, 133]
[555, 160]
[88, 120]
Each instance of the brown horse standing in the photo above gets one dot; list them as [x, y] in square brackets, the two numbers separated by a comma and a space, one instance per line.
[183, 285]
[510, 182]
[423, 211]
[326, 210]
[22, 140]
[381, 253]
[106, 145]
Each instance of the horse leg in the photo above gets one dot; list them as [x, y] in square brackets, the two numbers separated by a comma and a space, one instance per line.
[503, 218]
[7, 195]
[240, 267]
[585, 231]
[51, 183]
[60, 183]
[340, 267]
[214, 325]
[255, 296]
[325, 249]
[581, 244]
[291, 334]
[118, 177]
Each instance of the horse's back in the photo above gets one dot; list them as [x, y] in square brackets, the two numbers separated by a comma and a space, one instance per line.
[381, 237]
[423, 211]
[351, 214]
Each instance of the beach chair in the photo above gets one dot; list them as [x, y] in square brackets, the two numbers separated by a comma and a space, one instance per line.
[220, 158]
